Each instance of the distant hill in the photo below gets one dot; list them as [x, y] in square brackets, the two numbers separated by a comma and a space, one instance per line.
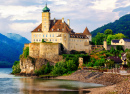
[119, 26]
[9, 51]
[17, 38]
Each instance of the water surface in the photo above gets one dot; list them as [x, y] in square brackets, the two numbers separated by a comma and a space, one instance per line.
[10, 84]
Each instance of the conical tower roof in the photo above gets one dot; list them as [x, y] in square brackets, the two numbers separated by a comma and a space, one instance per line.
[86, 32]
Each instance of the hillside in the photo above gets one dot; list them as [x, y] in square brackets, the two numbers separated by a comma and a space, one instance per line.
[9, 51]
[119, 26]
[17, 38]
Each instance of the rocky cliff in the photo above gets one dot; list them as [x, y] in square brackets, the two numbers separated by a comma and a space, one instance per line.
[29, 65]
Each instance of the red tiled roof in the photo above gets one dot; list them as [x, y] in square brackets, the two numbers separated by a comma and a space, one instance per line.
[86, 32]
[38, 29]
[58, 26]
[78, 36]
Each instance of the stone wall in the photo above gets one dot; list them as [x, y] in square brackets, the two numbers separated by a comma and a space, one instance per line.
[49, 51]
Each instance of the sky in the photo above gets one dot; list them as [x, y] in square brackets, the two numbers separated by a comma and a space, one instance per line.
[23, 16]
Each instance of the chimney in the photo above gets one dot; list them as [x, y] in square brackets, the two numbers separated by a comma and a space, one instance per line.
[68, 22]
[54, 20]
[62, 20]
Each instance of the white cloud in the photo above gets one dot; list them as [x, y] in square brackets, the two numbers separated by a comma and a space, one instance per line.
[23, 27]
[91, 13]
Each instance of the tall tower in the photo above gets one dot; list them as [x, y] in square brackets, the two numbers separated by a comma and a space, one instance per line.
[45, 19]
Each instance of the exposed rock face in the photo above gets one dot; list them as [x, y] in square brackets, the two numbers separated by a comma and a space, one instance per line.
[29, 65]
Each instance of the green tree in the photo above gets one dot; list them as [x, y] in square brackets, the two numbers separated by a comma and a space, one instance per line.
[116, 36]
[48, 68]
[108, 32]
[112, 50]
[16, 67]
[71, 66]
[99, 38]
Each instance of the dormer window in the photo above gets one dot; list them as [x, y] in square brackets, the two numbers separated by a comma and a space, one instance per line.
[52, 29]
[58, 29]
[39, 29]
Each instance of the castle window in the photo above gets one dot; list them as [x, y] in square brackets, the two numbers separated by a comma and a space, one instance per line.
[44, 26]
[58, 29]
[52, 29]
[34, 40]
[50, 35]
[53, 35]
[34, 35]
[55, 39]
[46, 35]
[50, 39]
[43, 35]
[62, 29]
[39, 35]
[44, 18]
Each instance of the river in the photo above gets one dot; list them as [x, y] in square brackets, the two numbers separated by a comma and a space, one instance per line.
[10, 84]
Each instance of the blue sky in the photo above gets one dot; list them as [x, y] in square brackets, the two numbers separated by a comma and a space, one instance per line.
[22, 16]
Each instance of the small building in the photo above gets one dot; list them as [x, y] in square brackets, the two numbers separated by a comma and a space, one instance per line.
[116, 59]
[123, 42]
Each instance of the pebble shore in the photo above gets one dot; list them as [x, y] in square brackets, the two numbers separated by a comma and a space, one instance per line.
[114, 83]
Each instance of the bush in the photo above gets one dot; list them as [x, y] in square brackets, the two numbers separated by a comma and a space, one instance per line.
[89, 64]
[59, 69]
[100, 62]
[26, 52]
[16, 67]
[48, 68]
[40, 71]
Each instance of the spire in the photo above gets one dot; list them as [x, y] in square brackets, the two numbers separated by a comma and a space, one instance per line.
[86, 32]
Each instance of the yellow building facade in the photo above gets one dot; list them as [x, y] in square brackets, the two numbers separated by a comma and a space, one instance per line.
[58, 31]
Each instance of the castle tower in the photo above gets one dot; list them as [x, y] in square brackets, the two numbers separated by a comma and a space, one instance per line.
[45, 19]
[88, 34]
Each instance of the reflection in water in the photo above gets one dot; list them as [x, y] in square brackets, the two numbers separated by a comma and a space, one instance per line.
[10, 84]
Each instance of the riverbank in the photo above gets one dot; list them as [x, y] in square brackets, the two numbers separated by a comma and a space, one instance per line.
[114, 83]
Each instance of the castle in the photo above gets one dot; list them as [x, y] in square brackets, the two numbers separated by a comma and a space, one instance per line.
[58, 31]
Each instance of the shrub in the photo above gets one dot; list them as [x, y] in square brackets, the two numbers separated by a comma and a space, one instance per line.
[26, 52]
[89, 64]
[16, 67]
[59, 69]
[40, 71]
[100, 62]
[48, 68]
[71, 66]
